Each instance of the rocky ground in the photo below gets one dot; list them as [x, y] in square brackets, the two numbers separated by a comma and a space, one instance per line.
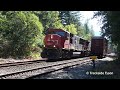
[105, 69]
[11, 60]
[82, 72]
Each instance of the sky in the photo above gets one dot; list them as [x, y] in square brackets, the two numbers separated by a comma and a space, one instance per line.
[92, 22]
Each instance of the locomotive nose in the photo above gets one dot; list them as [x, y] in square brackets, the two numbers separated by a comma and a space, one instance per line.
[52, 40]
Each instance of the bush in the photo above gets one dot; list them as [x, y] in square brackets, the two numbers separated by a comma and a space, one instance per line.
[23, 33]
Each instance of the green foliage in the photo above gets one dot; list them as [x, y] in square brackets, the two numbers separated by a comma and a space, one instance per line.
[69, 17]
[92, 31]
[23, 33]
[65, 17]
[111, 26]
[3, 27]
[71, 28]
[88, 32]
[49, 19]
[80, 30]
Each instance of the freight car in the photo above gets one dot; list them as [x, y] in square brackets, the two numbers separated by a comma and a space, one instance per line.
[59, 43]
[99, 46]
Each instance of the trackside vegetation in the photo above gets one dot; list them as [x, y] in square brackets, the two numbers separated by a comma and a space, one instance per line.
[22, 32]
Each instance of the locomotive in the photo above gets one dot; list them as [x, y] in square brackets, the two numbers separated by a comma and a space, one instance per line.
[61, 44]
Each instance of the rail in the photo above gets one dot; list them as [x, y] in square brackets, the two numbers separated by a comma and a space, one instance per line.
[27, 74]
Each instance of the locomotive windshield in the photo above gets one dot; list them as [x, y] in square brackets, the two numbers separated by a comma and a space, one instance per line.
[60, 33]
[57, 32]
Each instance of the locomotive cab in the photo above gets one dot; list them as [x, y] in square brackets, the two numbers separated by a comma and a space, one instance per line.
[56, 37]
[54, 41]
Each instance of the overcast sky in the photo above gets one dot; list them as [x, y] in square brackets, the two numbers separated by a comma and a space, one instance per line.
[94, 22]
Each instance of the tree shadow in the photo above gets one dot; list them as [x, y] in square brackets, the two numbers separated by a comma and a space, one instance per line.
[84, 71]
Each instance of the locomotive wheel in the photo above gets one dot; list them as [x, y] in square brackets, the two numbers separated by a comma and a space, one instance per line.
[54, 54]
[43, 54]
[66, 54]
[63, 55]
[70, 55]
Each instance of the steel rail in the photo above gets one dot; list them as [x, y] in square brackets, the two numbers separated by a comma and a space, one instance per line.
[43, 70]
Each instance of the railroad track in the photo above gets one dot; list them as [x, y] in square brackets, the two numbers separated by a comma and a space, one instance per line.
[20, 63]
[28, 74]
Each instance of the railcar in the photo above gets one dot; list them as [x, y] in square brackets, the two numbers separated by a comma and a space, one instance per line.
[62, 44]
[99, 46]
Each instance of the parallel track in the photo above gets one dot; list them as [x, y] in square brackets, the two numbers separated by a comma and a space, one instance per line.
[27, 74]
[19, 63]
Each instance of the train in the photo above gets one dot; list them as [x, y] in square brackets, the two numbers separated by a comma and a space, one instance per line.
[61, 44]
[99, 46]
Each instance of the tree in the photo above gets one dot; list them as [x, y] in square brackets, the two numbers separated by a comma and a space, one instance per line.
[71, 28]
[65, 17]
[80, 31]
[3, 40]
[92, 31]
[69, 17]
[87, 30]
[71, 21]
[24, 33]
[111, 27]
[49, 19]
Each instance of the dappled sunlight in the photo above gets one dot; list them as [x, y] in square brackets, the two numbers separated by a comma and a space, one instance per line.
[106, 59]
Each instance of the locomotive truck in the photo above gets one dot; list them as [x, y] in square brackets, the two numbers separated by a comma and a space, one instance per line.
[62, 44]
